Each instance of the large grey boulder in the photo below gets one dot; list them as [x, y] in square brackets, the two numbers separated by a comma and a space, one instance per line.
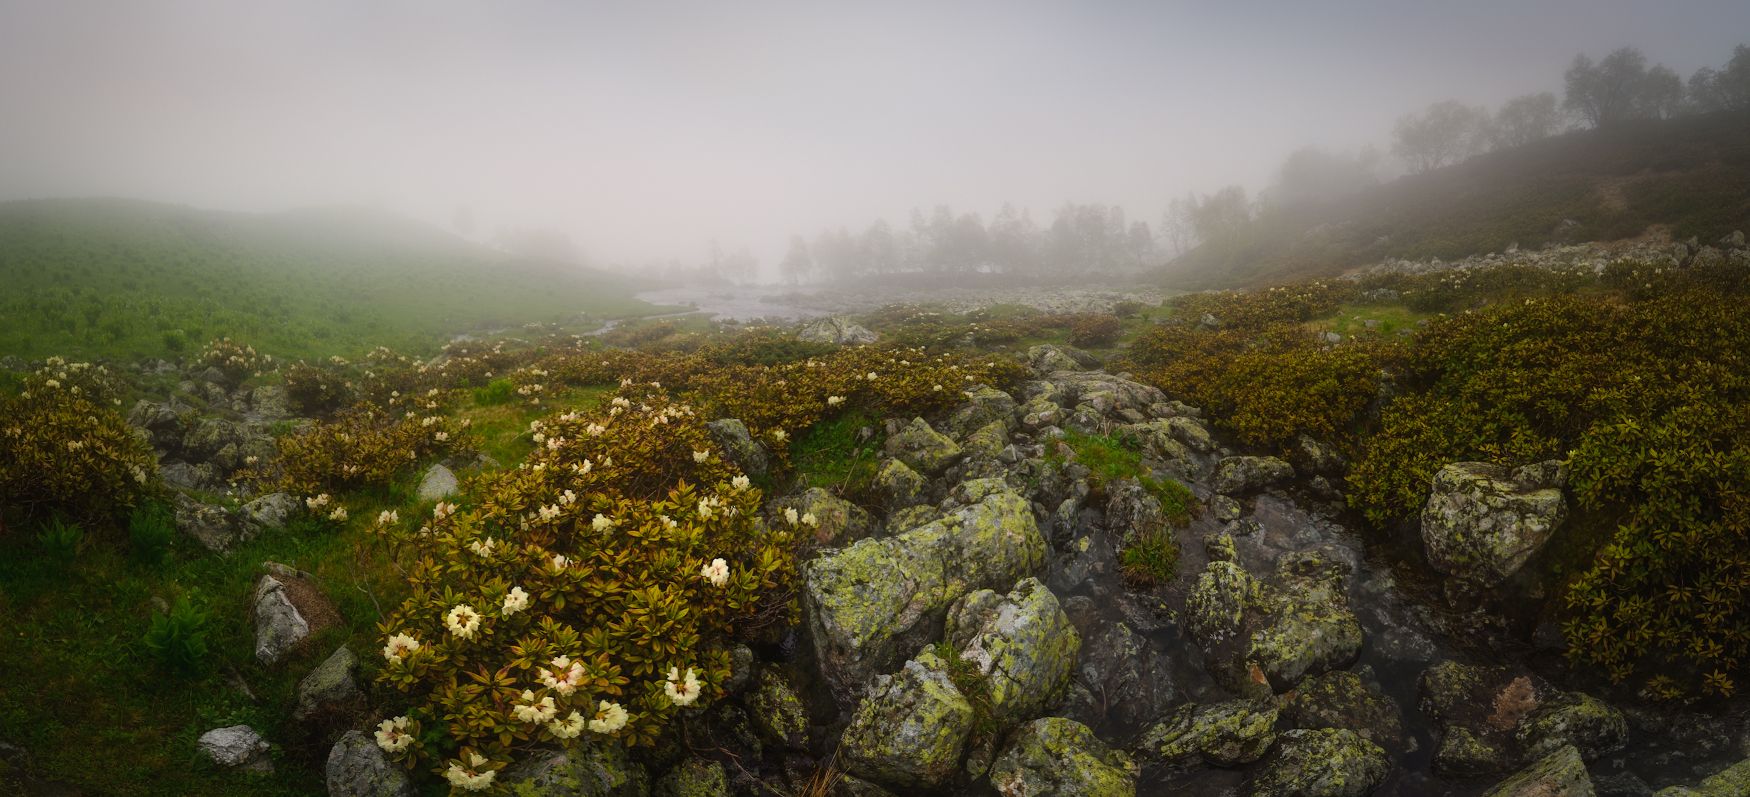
[836, 330]
[922, 448]
[438, 482]
[279, 626]
[269, 403]
[1021, 644]
[269, 511]
[588, 769]
[1120, 677]
[1224, 734]
[1320, 763]
[1057, 757]
[897, 486]
[357, 767]
[984, 405]
[1307, 626]
[1559, 774]
[835, 519]
[1733, 781]
[911, 729]
[235, 747]
[1483, 521]
[1242, 475]
[330, 692]
[738, 446]
[872, 602]
[216, 528]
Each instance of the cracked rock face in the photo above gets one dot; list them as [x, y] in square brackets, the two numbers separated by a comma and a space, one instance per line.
[1482, 522]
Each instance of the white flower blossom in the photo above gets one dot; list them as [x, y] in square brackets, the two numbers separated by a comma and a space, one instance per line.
[462, 620]
[609, 717]
[338, 515]
[791, 516]
[392, 735]
[701, 456]
[559, 561]
[442, 510]
[717, 572]
[387, 517]
[601, 522]
[534, 711]
[810, 521]
[564, 677]
[515, 601]
[739, 482]
[681, 690]
[834, 401]
[471, 776]
[483, 547]
[400, 646]
[316, 502]
[548, 512]
[569, 728]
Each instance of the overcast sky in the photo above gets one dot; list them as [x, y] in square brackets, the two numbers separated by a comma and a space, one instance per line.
[644, 130]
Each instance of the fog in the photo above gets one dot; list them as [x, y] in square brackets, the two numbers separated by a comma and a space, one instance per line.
[645, 133]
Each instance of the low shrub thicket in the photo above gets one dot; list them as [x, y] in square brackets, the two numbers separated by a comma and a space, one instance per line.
[64, 447]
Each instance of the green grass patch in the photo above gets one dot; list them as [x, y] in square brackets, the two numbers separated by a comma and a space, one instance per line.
[503, 427]
[1351, 319]
[1151, 559]
[1109, 459]
[828, 454]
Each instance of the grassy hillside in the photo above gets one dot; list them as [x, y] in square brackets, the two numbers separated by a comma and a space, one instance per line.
[1691, 175]
[93, 278]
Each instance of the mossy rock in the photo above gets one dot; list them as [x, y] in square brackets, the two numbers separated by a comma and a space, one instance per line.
[1223, 734]
[911, 729]
[1559, 774]
[1022, 645]
[1057, 757]
[1328, 762]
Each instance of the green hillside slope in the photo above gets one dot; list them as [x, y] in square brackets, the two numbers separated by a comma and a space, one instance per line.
[125, 278]
[1691, 175]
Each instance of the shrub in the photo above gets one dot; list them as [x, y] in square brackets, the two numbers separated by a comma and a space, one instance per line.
[316, 391]
[178, 638]
[151, 527]
[235, 360]
[60, 540]
[594, 591]
[363, 446]
[64, 451]
[498, 391]
[1095, 330]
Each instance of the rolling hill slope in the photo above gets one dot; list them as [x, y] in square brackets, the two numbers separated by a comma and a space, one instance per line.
[105, 277]
[1690, 176]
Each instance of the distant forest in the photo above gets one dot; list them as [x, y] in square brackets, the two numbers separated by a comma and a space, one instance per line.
[1084, 239]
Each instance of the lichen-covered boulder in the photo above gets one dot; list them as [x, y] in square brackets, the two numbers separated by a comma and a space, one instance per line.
[1040, 413]
[694, 777]
[911, 729]
[1733, 781]
[1116, 660]
[777, 713]
[870, 603]
[1574, 719]
[330, 693]
[216, 528]
[279, 626]
[898, 486]
[1482, 522]
[437, 482]
[1242, 475]
[1329, 762]
[357, 767]
[841, 331]
[1309, 627]
[987, 441]
[1046, 359]
[1559, 774]
[1056, 757]
[589, 769]
[1133, 511]
[1156, 438]
[984, 405]
[1224, 734]
[922, 448]
[1341, 699]
[738, 446]
[1021, 644]
[235, 747]
[1216, 607]
[269, 511]
[1493, 719]
[835, 519]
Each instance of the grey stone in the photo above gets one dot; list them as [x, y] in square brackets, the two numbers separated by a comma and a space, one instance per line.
[1242, 475]
[836, 330]
[922, 448]
[1056, 757]
[1021, 644]
[738, 446]
[279, 627]
[1481, 523]
[235, 747]
[1320, 763]
[1224, 734]
[588, 769]
[438, 482]
[330, 692]
[911, 729]
[270, 511]
[1559, 774]
[357, 767]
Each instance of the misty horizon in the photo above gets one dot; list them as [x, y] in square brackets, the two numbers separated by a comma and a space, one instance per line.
[648, 135]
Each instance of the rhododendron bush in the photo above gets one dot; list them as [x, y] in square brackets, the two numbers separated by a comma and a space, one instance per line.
[593, 591]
